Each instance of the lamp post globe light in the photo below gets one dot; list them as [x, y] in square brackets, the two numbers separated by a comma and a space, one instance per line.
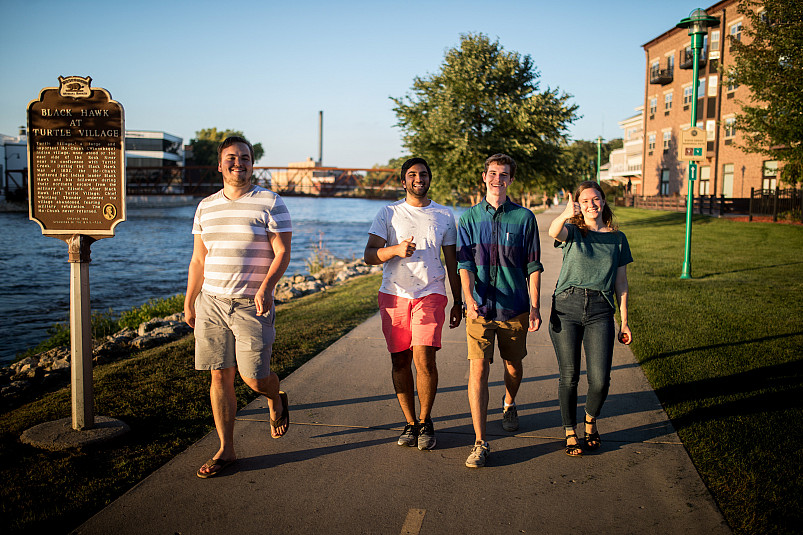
[697, 23]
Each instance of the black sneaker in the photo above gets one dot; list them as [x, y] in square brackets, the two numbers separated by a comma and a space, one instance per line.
[510, 419]
[426, 436]
[410, 435]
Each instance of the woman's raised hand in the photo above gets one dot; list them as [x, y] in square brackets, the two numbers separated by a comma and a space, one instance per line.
[572, 208]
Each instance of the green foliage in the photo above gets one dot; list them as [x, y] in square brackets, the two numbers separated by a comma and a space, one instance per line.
[105, 323]
[376, 178]
[768, 61]
[206, 141]
[320, 258]
[579, 162]
[154, 308]
[484, 100]
[102, 325]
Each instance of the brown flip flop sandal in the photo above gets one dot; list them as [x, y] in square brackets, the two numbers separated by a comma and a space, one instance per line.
[284, 419]
[214, 462]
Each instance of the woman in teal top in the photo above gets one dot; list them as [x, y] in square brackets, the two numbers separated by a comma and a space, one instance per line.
[592, 277]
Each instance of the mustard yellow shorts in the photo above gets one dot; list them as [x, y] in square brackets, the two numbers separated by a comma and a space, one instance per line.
[510, 335]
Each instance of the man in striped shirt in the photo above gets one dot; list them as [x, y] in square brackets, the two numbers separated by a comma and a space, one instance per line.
[241, 250]
[500, 270]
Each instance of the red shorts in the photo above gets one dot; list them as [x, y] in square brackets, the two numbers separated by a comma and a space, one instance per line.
[412, 322]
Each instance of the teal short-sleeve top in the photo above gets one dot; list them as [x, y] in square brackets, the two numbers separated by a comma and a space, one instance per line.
[591, 261]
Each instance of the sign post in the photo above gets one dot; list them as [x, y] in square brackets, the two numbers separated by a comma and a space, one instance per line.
[76, 193]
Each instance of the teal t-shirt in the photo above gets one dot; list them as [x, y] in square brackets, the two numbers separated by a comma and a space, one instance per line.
[591, 261]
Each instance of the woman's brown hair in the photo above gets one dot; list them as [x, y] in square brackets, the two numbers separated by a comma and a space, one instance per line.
[607, 214]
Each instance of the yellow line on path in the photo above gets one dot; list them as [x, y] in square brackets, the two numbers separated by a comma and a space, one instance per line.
[413, 522]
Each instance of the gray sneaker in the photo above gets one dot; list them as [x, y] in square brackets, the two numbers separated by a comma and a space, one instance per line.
[409, 436]
[510, 418]
[479, 454]
[426, 436]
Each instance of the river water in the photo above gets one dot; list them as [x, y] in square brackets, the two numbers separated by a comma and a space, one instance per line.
[147, 258]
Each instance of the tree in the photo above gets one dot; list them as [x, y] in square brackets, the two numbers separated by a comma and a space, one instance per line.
[770, 64]
[206, 141]
[580, 161]
[374, 177]
[483, 100]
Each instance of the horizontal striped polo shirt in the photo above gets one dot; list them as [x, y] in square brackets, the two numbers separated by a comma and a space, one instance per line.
[501, 247]
[235, 234]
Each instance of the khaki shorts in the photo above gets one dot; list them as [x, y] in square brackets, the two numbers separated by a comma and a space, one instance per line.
[511, 337]
[229, 333]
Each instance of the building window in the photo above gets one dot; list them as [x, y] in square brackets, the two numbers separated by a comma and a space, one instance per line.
[770, 179]
[712, 85]
[668, 102]
[705, 180]
[653, 105]
[688, 95]
[727, 180]
[651, 143]
[736, 31]
[715, 40]
[664, 182]
[710, 130]
[730, 127]
[732, 85]
[670, 63]
[701, 88]
[667, 140]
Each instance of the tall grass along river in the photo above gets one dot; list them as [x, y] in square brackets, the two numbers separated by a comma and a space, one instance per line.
[147, 258]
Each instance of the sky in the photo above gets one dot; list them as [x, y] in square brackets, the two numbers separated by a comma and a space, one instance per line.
[268, 67]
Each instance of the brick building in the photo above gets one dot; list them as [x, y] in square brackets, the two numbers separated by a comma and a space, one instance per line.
[726, 169]
[625, 163]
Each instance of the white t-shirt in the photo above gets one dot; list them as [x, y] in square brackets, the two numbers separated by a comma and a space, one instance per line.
[431, 227]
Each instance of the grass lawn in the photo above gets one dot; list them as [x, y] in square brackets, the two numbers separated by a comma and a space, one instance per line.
[724, 352]
[164, 400]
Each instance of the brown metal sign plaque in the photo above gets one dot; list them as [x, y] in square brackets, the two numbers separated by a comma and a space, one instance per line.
[76, 160]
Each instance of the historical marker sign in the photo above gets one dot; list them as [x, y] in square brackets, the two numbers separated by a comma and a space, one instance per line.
[76, 192]
[76, 160]
[692, 144]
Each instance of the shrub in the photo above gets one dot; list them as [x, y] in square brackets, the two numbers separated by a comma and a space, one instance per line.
[154, 308]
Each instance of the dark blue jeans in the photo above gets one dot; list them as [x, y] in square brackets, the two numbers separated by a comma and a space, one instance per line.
[582, 317]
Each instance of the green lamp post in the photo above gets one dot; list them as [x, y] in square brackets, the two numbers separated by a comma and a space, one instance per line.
[697, 23]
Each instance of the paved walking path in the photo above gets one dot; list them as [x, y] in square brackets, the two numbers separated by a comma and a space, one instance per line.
[339, 470]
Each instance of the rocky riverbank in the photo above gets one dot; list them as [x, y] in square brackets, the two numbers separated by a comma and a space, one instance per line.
[51, 369]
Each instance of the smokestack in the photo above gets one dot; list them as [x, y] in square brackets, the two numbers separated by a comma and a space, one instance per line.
[320, 138]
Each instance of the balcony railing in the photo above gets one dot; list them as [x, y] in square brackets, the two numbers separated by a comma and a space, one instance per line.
[687, 58]
[661, 76]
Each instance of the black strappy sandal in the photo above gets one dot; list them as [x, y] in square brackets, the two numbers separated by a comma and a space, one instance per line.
[573, 450]
[592, 440]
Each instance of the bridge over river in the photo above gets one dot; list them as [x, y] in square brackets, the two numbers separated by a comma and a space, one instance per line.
[379, 183]
[317, 181]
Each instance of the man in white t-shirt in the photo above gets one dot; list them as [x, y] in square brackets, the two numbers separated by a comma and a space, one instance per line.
[408, 236]
[241, 250]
